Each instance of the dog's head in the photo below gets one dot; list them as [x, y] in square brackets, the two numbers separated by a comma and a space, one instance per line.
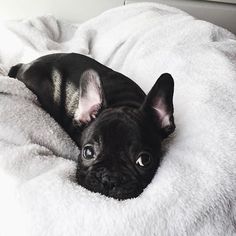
[121, 147]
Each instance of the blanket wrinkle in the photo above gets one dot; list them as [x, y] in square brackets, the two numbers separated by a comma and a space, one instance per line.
[194, 189]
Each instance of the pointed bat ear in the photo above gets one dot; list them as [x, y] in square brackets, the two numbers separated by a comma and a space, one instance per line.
[159, 104]
[91, 97]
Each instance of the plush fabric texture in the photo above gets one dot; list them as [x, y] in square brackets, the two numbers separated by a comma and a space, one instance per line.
[194, 189]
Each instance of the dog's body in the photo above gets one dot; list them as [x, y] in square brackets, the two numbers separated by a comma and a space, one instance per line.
[118, 128]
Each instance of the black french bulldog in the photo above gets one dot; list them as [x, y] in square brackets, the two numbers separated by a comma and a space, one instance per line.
[117, 127]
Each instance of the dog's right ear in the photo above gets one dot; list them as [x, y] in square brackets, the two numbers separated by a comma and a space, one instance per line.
[91, 97]
[159, 104]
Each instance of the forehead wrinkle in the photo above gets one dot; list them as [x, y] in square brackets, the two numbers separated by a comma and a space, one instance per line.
[134, 117]
[111, 123]
[121, 127]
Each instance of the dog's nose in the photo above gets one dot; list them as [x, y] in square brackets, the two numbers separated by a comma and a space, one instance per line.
[109, 181]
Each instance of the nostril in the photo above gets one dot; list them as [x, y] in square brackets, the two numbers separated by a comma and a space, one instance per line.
[105, 185]
[105, 179]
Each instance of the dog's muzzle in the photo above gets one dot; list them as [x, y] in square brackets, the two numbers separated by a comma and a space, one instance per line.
[114, 184]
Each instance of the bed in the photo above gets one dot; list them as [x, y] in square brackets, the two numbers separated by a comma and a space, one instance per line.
[194, 189]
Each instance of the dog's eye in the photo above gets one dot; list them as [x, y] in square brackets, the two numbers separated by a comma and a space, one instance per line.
[144, 159]
[88, 152]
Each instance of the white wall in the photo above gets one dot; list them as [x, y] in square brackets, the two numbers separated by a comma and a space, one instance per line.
[73, 10]
[81, 10]
[215, 11]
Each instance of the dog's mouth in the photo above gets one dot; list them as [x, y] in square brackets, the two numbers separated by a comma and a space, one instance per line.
[121, 192]
[110, 186]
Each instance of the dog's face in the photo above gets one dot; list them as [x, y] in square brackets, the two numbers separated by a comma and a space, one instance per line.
[121, 147]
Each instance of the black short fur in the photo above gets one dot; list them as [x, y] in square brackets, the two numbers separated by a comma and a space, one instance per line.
[117, 127]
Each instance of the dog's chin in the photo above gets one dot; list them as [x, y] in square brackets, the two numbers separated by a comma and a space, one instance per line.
[120, 193]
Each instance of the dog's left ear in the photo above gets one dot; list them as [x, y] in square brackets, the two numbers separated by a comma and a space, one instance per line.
[91, 97]
[159, 104]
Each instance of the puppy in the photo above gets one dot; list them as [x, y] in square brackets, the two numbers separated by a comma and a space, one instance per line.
[117, 127]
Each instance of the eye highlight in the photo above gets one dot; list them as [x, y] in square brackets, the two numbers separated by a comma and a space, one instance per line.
[88, 152]
[144, 159]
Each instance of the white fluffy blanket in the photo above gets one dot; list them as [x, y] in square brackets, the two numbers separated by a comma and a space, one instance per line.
[194, 190]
